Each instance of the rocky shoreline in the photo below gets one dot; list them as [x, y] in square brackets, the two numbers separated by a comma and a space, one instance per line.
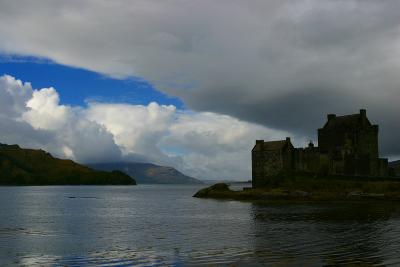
[222, 191]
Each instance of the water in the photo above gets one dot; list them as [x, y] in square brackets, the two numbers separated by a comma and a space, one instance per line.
[162, 225]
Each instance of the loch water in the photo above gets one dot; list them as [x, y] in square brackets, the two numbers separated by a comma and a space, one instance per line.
[163, 225]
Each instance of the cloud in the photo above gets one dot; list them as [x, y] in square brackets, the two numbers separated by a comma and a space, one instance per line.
[34, 118]
[281, 64]
[44, 110]
[13, 96]
[135, 128]
[216, 146]
[205, 145]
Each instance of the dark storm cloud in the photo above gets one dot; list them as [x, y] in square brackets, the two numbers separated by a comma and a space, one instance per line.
[283, 64]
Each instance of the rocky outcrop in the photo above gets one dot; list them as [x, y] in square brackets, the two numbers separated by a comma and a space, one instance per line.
[316, 190]
[214, 190]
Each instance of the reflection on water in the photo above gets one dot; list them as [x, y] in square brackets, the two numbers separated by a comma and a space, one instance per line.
[329, 234]
[109, 258]
[156, 225]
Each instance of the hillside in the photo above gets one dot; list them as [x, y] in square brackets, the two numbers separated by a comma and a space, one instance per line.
[20, 166]
[147, 173]
[396, 166]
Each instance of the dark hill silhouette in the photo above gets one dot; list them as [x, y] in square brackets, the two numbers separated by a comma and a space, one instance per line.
[147, 173]
[20, 166]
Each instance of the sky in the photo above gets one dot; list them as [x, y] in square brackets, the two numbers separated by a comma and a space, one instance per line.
[193, 84]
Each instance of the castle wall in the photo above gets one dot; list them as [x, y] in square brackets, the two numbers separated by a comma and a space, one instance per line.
[328, 140]
[357, 166]
[257, 168]
[336, 166]
[348, 146]
[367, 142]
[288, 160]
[267, 165]
[306, 160]
[352, 147]
[381, 168]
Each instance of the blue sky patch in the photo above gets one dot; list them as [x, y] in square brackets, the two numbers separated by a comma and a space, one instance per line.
[76, 86]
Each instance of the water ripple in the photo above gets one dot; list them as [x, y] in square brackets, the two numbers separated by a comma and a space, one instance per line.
[165, 226]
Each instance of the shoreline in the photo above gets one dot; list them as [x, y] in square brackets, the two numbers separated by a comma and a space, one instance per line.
[222, 191]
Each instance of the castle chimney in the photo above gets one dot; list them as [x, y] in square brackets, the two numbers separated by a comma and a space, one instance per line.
[259, 142]
[331, 116]
[363, 113]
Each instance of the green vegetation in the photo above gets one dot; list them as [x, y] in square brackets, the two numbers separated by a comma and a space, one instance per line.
[36, 167]
[310, 189]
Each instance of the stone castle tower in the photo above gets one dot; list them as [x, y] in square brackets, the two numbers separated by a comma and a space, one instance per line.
[347, 146]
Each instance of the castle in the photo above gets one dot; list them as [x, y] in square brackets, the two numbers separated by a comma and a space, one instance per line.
[347, 146]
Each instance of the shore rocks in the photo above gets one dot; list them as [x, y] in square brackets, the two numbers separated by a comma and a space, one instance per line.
[222, 191]
[365, 195]
[213, 190]
[299, 193]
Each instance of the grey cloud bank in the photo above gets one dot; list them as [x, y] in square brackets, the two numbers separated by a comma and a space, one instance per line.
[281, 64]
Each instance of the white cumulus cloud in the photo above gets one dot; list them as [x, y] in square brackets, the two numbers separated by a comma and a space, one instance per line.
[202, 144]
[34, 118]
[45, 111]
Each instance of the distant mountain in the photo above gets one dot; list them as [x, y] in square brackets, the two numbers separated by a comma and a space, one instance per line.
[395, 165]
[20, 166]
[147, 173]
